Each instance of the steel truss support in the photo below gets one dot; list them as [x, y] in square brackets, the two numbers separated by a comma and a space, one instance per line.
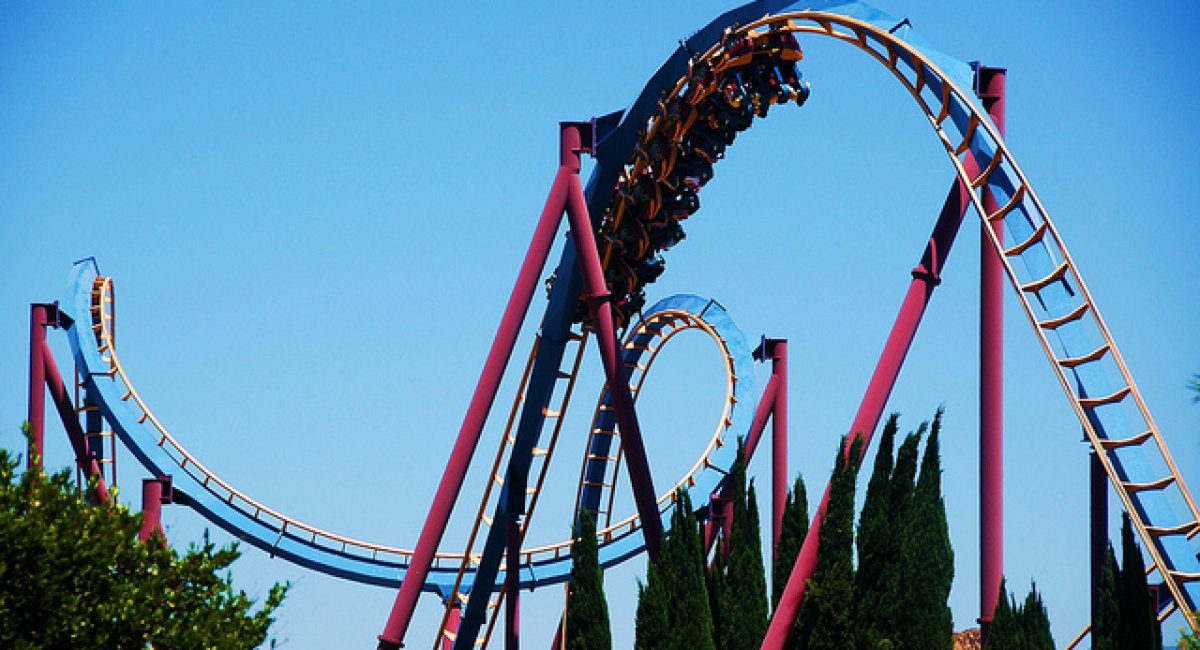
[990, 84]
[43, 376]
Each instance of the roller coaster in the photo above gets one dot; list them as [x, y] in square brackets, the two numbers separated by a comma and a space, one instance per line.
[651, 161]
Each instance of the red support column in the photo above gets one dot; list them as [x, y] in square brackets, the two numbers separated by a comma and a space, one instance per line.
[779, 441]
[155, 492]
[527, 283]
[614, 370]
[39, 318]
[452, 627]
[991, 82]
[926, 277]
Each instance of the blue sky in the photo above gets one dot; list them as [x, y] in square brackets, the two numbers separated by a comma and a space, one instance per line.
[313, 216]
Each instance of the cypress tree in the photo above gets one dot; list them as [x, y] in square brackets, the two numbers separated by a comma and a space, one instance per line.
[892, 615]
[587, 610]
[791, 538]
[1005, 631]
[1036, 622]
[1024, 626]
[743, 596]
[1104, 628]
[673, 608]
[928, 566]
[688, 618]
[877, 542]
[651, 628]
[1137, 625]
[825, 621]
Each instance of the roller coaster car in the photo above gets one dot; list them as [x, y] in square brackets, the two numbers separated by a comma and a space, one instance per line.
[649, 270]
[782, 45]
[704, 144]
[664, 237]
[718, 114]
[631, 305]
[631, 239]
[681, 205]
[694, 170]
[738, 52]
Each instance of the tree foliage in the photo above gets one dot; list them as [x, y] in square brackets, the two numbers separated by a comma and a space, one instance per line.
[825, 620]
[587, 610]
[742, 596]
[75, 575]
[1104, 628]
[1020, 626]
[791, 538]
[1137, 622]
[928, 566]
[878, 543]
[673, 606]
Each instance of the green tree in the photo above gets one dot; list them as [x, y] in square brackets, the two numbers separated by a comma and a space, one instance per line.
[587, 610]
[791, 537]
[1104, 631]
[1004, 632]
[878, 543]
[1024, 626]
[651, 627]
[825, 621]
[1137, 625]
[75, 575]
[1187, 638]
[743, 593]
[673, 606]
[928, 567]
[1036, 622]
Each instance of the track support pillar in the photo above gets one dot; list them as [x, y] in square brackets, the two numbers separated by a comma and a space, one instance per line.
[40, 316]
[990, 84]
[155, 493]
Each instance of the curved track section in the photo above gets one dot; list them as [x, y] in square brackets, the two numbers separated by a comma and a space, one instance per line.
[1066, 319]
[90, 308]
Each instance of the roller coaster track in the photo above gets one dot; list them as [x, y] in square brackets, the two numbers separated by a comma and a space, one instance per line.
[91, 329]
[655, 189]
[1066, 319]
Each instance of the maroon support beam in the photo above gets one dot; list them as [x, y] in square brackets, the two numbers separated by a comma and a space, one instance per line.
[70, 419]
[452, 627]
[600, 308]
[448, 488]
[991, 381]
[39, 318]
[926, 277]
[155, 493]
[779, 439]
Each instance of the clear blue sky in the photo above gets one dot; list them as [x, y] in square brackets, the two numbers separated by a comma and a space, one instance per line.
[314, 214]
